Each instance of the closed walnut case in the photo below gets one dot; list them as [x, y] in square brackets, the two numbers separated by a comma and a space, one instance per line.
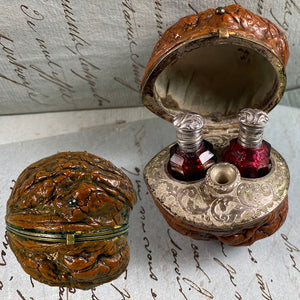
[67, 220]
[216, 63]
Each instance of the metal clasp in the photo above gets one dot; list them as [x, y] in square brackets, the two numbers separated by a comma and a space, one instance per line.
[70, 239]
[223, 33]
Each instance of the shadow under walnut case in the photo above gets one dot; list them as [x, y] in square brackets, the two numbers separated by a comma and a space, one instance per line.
[216, 63]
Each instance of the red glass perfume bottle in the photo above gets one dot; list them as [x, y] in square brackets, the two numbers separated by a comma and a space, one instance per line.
[249, 152]
[191, 156]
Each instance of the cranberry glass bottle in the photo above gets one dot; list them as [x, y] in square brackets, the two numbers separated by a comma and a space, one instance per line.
[191, 156]
[249, 152]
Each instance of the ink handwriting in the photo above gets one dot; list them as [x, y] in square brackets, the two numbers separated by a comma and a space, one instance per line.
[131, 33]
[72, 290]
[20, 70]
[3, 253]
[135, 173]
[291, 249]
[88, 69]
[147, 244]
[153, 294]
[196, 259]
[94, 297]
[61, 292]
[263, 287]
[158, 17]
[260, 6]
[31, 281]
[123, 293]
[33, 17]
[290, 7]
[192, 8]
[138, 183]
[193, 285]
[181, 279]
[223, 249]
[21, 295]
[237, 295]
[126, 84]
[251, 256]
[230, 270]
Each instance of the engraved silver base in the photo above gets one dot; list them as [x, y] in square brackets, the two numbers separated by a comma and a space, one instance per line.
[222, 202]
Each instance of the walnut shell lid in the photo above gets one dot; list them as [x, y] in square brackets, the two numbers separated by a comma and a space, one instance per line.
[216, 63]
[67, 220]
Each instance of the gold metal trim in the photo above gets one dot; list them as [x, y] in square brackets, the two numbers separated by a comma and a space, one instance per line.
[70, 238]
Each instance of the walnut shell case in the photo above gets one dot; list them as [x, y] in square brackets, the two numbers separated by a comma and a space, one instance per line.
[67, 220]
[216, 63]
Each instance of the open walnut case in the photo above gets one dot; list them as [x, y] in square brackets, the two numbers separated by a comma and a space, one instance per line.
[216, 63]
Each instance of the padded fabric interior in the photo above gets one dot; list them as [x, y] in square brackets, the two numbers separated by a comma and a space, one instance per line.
[217, 81]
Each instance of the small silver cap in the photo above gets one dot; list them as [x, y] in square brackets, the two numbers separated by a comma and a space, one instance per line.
[252, 123]
[189, 128]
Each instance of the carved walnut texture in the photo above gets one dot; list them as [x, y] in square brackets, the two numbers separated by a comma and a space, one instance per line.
[235, 18]
[242, 237]
[71, 192]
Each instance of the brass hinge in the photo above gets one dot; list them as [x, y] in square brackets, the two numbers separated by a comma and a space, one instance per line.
[223, 33]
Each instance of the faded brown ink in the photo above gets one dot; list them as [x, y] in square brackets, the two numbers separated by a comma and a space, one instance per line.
[179, 279]
[290, 8]
[126, 84]
[230, 270]
[147, 245]
[265, 292]
[94, 297]
[196, 257]
[131, 33]
[135, 173]
[223, 249]
[291, 249]
[158, 17]
[138, 137]
[192, 8]
[20, 70]
[251, 256]
[31, 281]
[88, 69]
[260, 6]
[153, 294]
[3, 252]
[61, 292]
[194, 286]
[125, 294]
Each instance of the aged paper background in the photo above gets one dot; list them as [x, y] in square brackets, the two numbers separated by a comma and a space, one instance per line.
[67, 55]
[165, 265]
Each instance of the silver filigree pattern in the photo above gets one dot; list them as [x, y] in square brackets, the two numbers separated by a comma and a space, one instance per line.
[200, 205]
[189, 128]
[188, 121]
[223, 178]
[252, 123]
[253, 117]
